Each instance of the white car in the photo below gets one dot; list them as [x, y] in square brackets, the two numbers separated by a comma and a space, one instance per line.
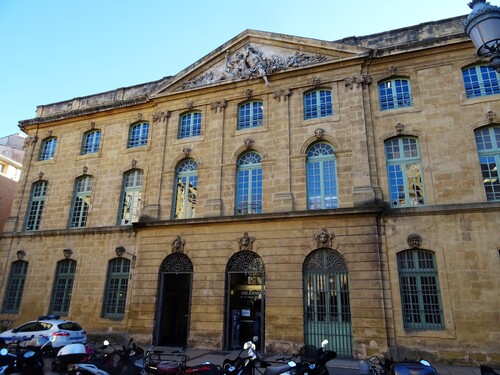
[64, 332]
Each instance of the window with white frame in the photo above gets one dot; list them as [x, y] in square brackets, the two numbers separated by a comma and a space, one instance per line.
[35, 206]
[488, 147]
[91, 142]
[48, 149]
[480, 80]
[321, 177]
[317, 104]
[190, 125]
[81, 202]
[131, 197]
[395, 93]
[404, 170]
[186, 190]
[249, 184]
[250, 115]
[138, 135]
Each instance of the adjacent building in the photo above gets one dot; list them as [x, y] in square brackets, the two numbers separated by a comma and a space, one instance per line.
[292, 188]
[11, 158]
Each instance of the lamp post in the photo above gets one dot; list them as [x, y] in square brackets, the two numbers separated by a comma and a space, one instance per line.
[482, 26]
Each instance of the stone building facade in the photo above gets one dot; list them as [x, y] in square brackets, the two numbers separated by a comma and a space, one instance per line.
[292, 188]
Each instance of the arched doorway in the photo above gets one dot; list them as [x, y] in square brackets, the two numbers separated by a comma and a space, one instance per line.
[245, 295]
[327, 312]
[174, 299]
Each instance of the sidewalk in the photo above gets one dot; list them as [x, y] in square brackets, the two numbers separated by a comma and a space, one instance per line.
[197, 356]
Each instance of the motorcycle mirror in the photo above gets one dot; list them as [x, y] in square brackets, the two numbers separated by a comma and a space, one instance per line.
[106, 342]
[255, 338]
[292, 364]
[424, 362]
[3, 351]
[324, 343]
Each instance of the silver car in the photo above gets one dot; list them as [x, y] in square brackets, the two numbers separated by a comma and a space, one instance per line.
[63, 332]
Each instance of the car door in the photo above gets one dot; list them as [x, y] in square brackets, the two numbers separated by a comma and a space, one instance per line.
[25, 331]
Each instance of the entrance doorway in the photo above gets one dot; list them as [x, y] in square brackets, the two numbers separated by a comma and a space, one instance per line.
[327, 312]
[245, 300]
[174, 299]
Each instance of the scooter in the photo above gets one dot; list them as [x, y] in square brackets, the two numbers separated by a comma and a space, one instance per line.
[242, 364]
[26, 358]
[307, 365]
[422, 367]
[104, 364]
[71, 353]
[158, 362]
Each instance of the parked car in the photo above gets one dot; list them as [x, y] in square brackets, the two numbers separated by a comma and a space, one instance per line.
[64, 332]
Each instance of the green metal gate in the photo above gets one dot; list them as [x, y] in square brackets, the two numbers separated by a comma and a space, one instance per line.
[327, 312]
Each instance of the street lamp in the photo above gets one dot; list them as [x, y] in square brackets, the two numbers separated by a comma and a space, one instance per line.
[482, 26]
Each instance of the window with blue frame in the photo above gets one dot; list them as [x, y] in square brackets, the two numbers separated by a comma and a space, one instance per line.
[190, 125]
[250, 115]
[15, 287]
[81, 202]
[130, 206]
[186, 190]
[138, 135]
[395, 93]
[91, 142]
[321, 177]
[480, 80]
[48, 149]
[35, 206]
[404, 170]
[249, 184]
[488, 147]
[419, 288]
[318, 103]
[63, 287]
[115, 294]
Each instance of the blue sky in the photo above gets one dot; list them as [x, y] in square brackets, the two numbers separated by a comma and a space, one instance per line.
[55, 50]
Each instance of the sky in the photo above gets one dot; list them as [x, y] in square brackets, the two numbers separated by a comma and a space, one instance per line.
[56, 50]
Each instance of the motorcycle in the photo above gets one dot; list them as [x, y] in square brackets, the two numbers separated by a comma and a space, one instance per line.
[26, 358]
[312, 362]
[71, 353]
[242, 365]
[118, 361]
[422, 367]
[158, 362]
[485, 370]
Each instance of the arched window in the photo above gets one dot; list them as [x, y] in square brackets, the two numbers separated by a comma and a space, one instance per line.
[404, 170]
[15, 287]
[317, 104]
[115, 294]
[190, 125]
[488, 148]
[480, 80]
[249, 184]
[35, 206]
[250, 115]
[186, 190]
[63, 287]
[138, 135]
[48, 149]
[81, 202]
[419, 287]
[130, 206]
[91, 142]
[321, 177]
[395, 93]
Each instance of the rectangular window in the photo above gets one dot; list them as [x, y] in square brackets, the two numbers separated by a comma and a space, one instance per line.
[35, 207]
[63, 287]
[15, 287]
[116, 288]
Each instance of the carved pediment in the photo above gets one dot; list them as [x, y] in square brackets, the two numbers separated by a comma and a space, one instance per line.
[257, 55]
